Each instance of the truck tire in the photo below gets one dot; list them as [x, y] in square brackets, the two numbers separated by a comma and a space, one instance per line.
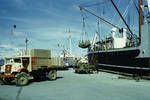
[7, 81]
[22, 79]
[52, 75]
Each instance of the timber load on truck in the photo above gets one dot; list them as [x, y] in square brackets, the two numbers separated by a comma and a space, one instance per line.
[36, 63]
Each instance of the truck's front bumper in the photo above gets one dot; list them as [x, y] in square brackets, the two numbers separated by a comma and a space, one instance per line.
[7, 75]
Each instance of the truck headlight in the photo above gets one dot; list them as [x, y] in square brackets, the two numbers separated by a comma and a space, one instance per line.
[1, 69]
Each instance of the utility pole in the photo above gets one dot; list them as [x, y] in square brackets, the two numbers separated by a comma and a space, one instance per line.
[26, 42]
[70, 51]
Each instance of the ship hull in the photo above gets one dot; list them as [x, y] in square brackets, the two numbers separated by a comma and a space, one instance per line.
[123, 61]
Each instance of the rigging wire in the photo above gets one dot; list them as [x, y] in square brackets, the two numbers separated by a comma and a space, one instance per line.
[84, 42]
[87, 25]
[84, 34]
[135, 5]
[94, 4]
[118, 3]
[99, 25]
[125, 12]
[134, 13]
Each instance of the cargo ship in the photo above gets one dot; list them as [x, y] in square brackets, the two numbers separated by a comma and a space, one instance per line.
[128, 53]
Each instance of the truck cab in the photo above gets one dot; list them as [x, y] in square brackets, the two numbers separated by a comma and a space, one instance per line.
[14, 65]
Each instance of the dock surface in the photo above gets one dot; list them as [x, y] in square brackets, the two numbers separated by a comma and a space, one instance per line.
[72, 86]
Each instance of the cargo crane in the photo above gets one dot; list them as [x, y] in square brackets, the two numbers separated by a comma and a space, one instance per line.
[128, 52]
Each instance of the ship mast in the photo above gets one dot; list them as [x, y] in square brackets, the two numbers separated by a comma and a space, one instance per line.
[140, 3]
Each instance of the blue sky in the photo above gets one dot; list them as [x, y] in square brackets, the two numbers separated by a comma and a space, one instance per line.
[46, 22]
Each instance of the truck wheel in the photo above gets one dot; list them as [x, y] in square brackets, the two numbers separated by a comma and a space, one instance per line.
[52, 75]
[22, 79]
[7, 81]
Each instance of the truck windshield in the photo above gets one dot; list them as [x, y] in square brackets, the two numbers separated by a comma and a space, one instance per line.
[8, 60]
[17, 60]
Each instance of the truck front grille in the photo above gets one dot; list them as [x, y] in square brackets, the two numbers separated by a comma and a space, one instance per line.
[8, 69]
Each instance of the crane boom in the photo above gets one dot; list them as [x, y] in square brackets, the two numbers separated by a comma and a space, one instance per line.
[103, 19]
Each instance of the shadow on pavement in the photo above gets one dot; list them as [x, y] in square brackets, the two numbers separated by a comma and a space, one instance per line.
[43, 79]
[32, 81]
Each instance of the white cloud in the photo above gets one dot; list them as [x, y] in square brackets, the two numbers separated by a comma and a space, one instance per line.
[9, 50]
[5, 46]
[18, 34]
